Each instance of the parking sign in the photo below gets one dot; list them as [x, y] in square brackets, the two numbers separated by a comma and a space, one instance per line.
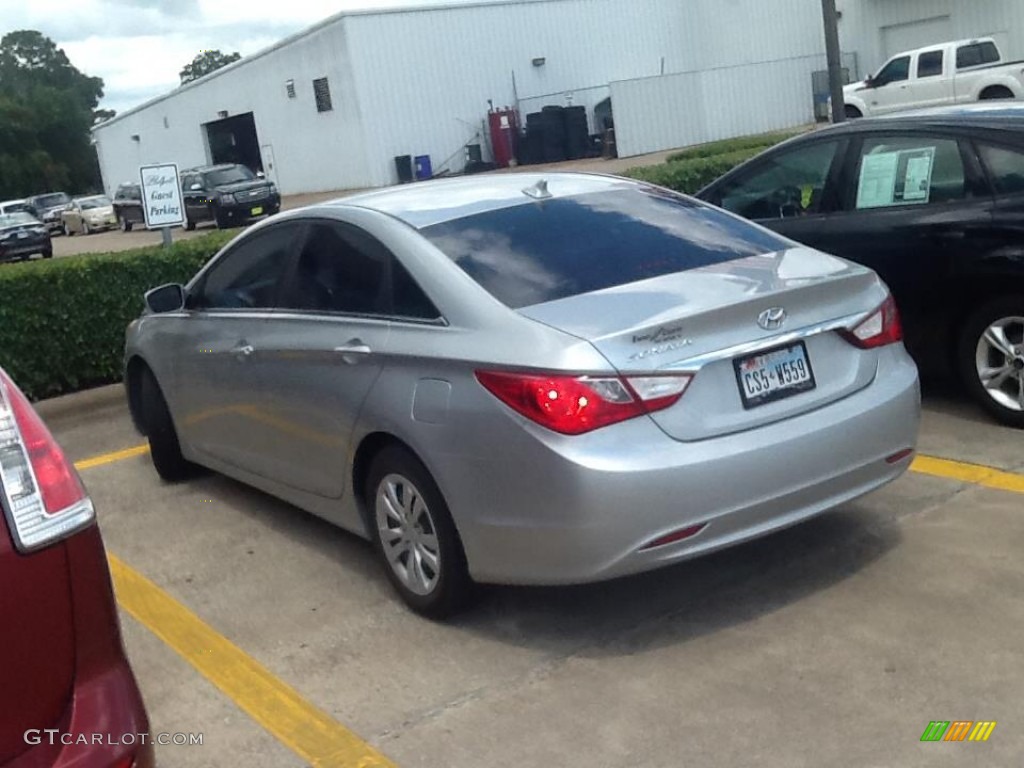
[161, 195]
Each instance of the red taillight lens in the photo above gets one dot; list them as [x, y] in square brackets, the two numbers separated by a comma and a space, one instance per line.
[572, 405]
[880, 328]
[43, 497]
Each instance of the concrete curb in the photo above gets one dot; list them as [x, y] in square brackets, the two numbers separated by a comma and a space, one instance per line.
[81, 402]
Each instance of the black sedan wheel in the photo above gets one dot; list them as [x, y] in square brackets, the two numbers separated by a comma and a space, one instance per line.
[164, 449]
[126, 226]
[991, 358]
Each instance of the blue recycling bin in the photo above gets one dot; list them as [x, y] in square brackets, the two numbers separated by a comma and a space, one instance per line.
[424, 170]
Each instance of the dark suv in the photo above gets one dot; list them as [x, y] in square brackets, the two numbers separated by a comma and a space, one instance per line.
[128, 206]
[47, 208]
[227, 195]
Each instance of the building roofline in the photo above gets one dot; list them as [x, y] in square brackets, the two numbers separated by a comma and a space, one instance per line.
[307, 32]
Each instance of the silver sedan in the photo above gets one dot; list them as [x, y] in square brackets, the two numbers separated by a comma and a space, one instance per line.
[526, 379]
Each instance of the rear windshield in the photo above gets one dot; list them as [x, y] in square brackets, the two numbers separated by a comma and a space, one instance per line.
[539, 252]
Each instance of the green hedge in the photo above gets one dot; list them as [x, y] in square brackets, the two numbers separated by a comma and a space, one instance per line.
[688, 176]
[62, 321]
[730, 146]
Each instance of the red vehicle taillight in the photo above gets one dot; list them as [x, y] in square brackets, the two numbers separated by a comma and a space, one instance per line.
[572, 404]
[880, 328]
[43, 497]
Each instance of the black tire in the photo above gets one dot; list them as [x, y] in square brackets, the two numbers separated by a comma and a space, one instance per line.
[852, 113]
[220, 220]
[189, 225]
[163, 437]
[126, 226]
[972, 356]
[995, 92]
[452, 588]
[48, 253]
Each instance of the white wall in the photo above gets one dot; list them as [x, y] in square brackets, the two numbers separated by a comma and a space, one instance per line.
[425, 76]
[313, 151]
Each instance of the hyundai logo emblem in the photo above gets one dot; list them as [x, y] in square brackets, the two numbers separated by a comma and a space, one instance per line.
[772, 319]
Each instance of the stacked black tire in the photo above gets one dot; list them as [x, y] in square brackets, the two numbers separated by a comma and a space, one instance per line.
[555, 134]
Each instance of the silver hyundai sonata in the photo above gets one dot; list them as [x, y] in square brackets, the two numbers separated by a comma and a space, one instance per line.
[528, 379]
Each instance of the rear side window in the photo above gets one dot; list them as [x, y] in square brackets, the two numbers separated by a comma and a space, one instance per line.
[1005, 167]
[976, 55]
[908, 170]
[929, 64]
[548, 250]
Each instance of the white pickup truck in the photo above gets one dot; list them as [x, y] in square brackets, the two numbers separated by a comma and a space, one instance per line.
[947, 73]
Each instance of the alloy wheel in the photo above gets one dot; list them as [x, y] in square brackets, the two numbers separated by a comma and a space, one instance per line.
[999, 361]
[408, 534]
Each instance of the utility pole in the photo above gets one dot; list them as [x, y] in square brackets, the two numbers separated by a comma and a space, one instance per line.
[835, 59]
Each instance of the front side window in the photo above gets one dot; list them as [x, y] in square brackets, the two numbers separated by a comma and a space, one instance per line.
[788, 184]
[895, 71]
[547, 250]
[929, 64]
[250, 274]
[907, 170]
[1005, 168]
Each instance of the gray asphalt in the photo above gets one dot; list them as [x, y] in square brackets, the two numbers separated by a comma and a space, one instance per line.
[830, 644]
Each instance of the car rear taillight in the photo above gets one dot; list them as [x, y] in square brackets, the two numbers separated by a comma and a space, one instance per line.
[880, 328]
[43, 497]
[572, 404]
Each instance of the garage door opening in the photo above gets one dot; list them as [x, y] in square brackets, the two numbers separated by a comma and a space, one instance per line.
[234, 140]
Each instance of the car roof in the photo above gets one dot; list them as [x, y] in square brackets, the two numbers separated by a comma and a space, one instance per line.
[13, 202]
[936, 46]
[207, 168]
[1005, 115]
[424, 203]
[87, 197]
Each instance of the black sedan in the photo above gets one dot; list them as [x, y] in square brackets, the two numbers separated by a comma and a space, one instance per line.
[934, 202]
[21, 236]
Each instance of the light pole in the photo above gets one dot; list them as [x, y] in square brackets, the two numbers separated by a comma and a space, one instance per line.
[835, 60]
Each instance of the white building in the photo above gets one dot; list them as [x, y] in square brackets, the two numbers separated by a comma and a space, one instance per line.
[331, 107]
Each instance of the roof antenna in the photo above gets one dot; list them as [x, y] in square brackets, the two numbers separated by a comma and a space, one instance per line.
[538, 191]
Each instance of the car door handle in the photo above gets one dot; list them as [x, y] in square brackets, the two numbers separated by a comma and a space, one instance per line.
[352, 351]
[243, 350]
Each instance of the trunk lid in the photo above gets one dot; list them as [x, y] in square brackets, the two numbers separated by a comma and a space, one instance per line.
[704, 319]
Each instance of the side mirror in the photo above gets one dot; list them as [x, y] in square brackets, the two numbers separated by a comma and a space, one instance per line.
[166, 298]
[260, 175]
[196, 187]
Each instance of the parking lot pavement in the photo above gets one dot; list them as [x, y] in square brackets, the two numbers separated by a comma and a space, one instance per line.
[834, 643]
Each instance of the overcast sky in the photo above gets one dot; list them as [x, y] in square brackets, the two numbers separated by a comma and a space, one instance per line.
[139, 46]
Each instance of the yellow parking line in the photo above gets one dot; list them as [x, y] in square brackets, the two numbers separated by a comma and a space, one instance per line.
[307, 731]
[110, 458]
[969, 473]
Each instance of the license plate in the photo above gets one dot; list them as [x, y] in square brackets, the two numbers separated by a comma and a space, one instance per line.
[257, 210]
[773, 375]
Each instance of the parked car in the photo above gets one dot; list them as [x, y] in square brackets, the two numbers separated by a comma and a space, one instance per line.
[526, 379]
[937, 75]
[63, 668]
[21, 236]
[934, 202]
[128, 206]
[47, 208]
[15, 206]
[88, 214]
[226, 195]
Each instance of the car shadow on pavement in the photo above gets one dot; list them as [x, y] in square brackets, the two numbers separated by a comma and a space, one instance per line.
[666, 606]
[691, 599]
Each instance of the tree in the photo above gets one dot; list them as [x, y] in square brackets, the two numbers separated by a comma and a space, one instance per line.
[47, 107]
[205, 63]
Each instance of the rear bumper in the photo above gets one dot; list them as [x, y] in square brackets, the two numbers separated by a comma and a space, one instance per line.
[577, 510]
[104, 725]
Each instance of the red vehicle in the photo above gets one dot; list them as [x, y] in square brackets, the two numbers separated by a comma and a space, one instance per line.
[67, 695]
